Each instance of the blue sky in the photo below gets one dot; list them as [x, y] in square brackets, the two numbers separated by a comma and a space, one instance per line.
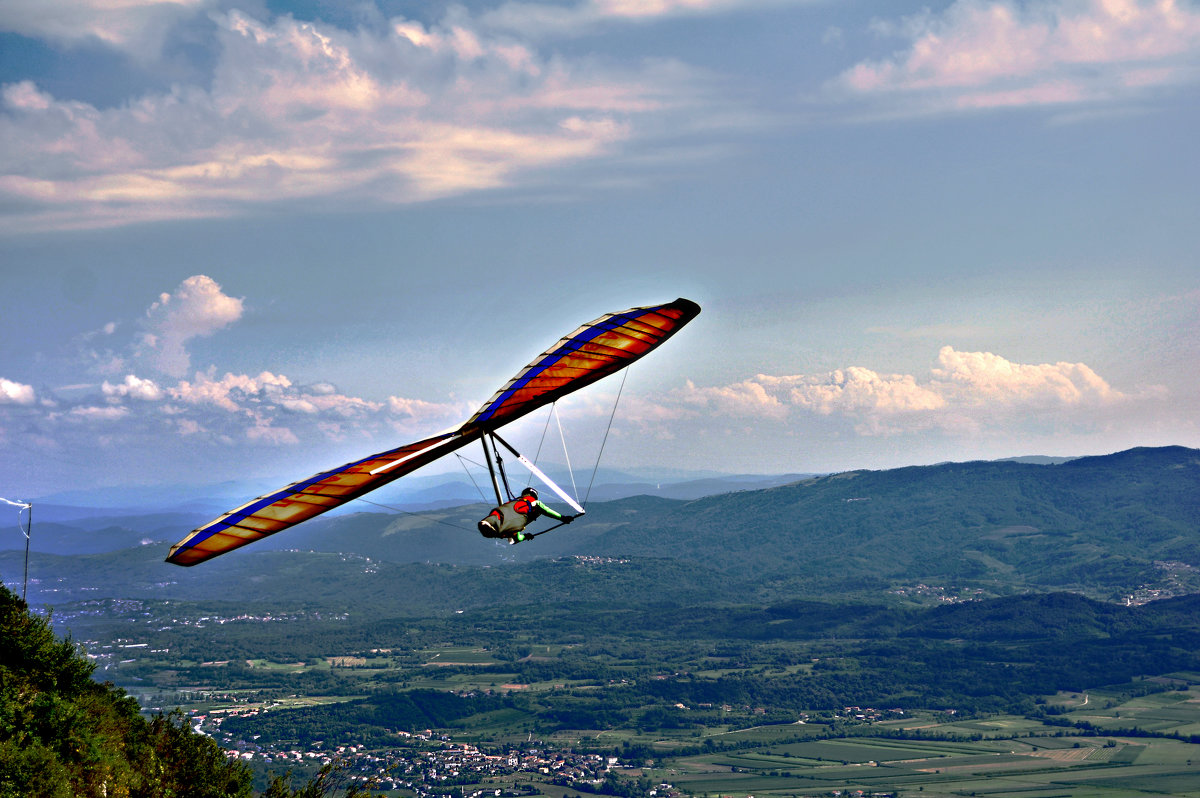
[253, 240]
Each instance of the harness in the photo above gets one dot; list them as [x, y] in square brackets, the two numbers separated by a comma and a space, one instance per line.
[523, 506]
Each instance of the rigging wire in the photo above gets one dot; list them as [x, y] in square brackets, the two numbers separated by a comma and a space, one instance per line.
[566, 453]
[624, 375]
[410, 512]
[463, 462]
[538, 455]
[570, 470]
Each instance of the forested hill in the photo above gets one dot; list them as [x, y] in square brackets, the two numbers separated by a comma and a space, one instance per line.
[63, 735]
[1106, 527]
[1108, 523]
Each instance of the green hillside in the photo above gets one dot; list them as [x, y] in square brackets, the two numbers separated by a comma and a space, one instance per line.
[1107, 527]
[63, 735]
[1101, 525]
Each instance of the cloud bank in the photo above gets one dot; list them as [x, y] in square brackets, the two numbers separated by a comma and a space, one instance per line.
[967, 393]
[151, 414]
[398, 111]
[175, 412]
[981, 55]
[296, 111]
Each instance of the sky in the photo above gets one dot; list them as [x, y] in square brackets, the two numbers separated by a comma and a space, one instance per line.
[250, 240]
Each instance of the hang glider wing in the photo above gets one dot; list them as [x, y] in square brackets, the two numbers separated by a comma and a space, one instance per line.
[303, 500]
[592, 352]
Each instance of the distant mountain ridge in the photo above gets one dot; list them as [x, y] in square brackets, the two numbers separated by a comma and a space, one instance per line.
[412, 494]
[1103, 526]
[1093, 523]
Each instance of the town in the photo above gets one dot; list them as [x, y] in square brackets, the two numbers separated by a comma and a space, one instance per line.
[429, 763]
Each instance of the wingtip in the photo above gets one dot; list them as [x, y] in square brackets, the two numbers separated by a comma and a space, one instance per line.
[175, 556]
[687, 305]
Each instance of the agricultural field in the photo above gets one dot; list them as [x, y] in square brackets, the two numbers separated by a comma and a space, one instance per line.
[1020, 767]
[999, 757]
[795, 700]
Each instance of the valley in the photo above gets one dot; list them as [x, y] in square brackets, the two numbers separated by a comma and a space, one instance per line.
[991, 628]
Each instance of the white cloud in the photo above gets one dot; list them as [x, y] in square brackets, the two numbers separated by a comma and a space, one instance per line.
[197, 308]
[231, 392]
[302, 110]
[753, 397]
[188, 426]
[857, 389]
[981, 378]
[16, 393]
[980, 54]
[968, 392]
[255, 406]
[135, 387]
[264, 419]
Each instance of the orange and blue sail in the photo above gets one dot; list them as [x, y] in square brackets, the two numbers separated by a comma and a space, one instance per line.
[592, 352]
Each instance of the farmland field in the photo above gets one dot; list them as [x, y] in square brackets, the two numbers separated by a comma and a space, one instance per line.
[1005, 757]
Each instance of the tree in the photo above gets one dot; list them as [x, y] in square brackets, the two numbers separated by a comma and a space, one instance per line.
[63, 735]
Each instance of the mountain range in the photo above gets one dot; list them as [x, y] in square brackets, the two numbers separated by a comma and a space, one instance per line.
[1107, 527]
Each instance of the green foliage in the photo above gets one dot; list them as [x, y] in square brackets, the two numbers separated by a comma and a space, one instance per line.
[641, 669]
[327, 783]
[62, 735]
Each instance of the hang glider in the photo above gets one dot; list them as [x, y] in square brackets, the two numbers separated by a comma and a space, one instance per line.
[592, 352]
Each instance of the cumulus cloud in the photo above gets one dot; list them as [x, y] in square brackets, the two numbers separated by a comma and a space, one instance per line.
[753, 397]
[134, 387]
[228, 410]
[1004, 53]
[965, 392]
[858, 389]
[232, 391]
[197, 308]
[230, 416]
[15, 393]
[299, 111]
[983, 378]
[270, 408]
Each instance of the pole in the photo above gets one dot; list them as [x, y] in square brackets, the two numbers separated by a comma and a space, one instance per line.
[28, 536]
[27, 532]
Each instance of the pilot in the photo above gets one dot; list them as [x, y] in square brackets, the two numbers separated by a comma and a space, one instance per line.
[510, 519]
